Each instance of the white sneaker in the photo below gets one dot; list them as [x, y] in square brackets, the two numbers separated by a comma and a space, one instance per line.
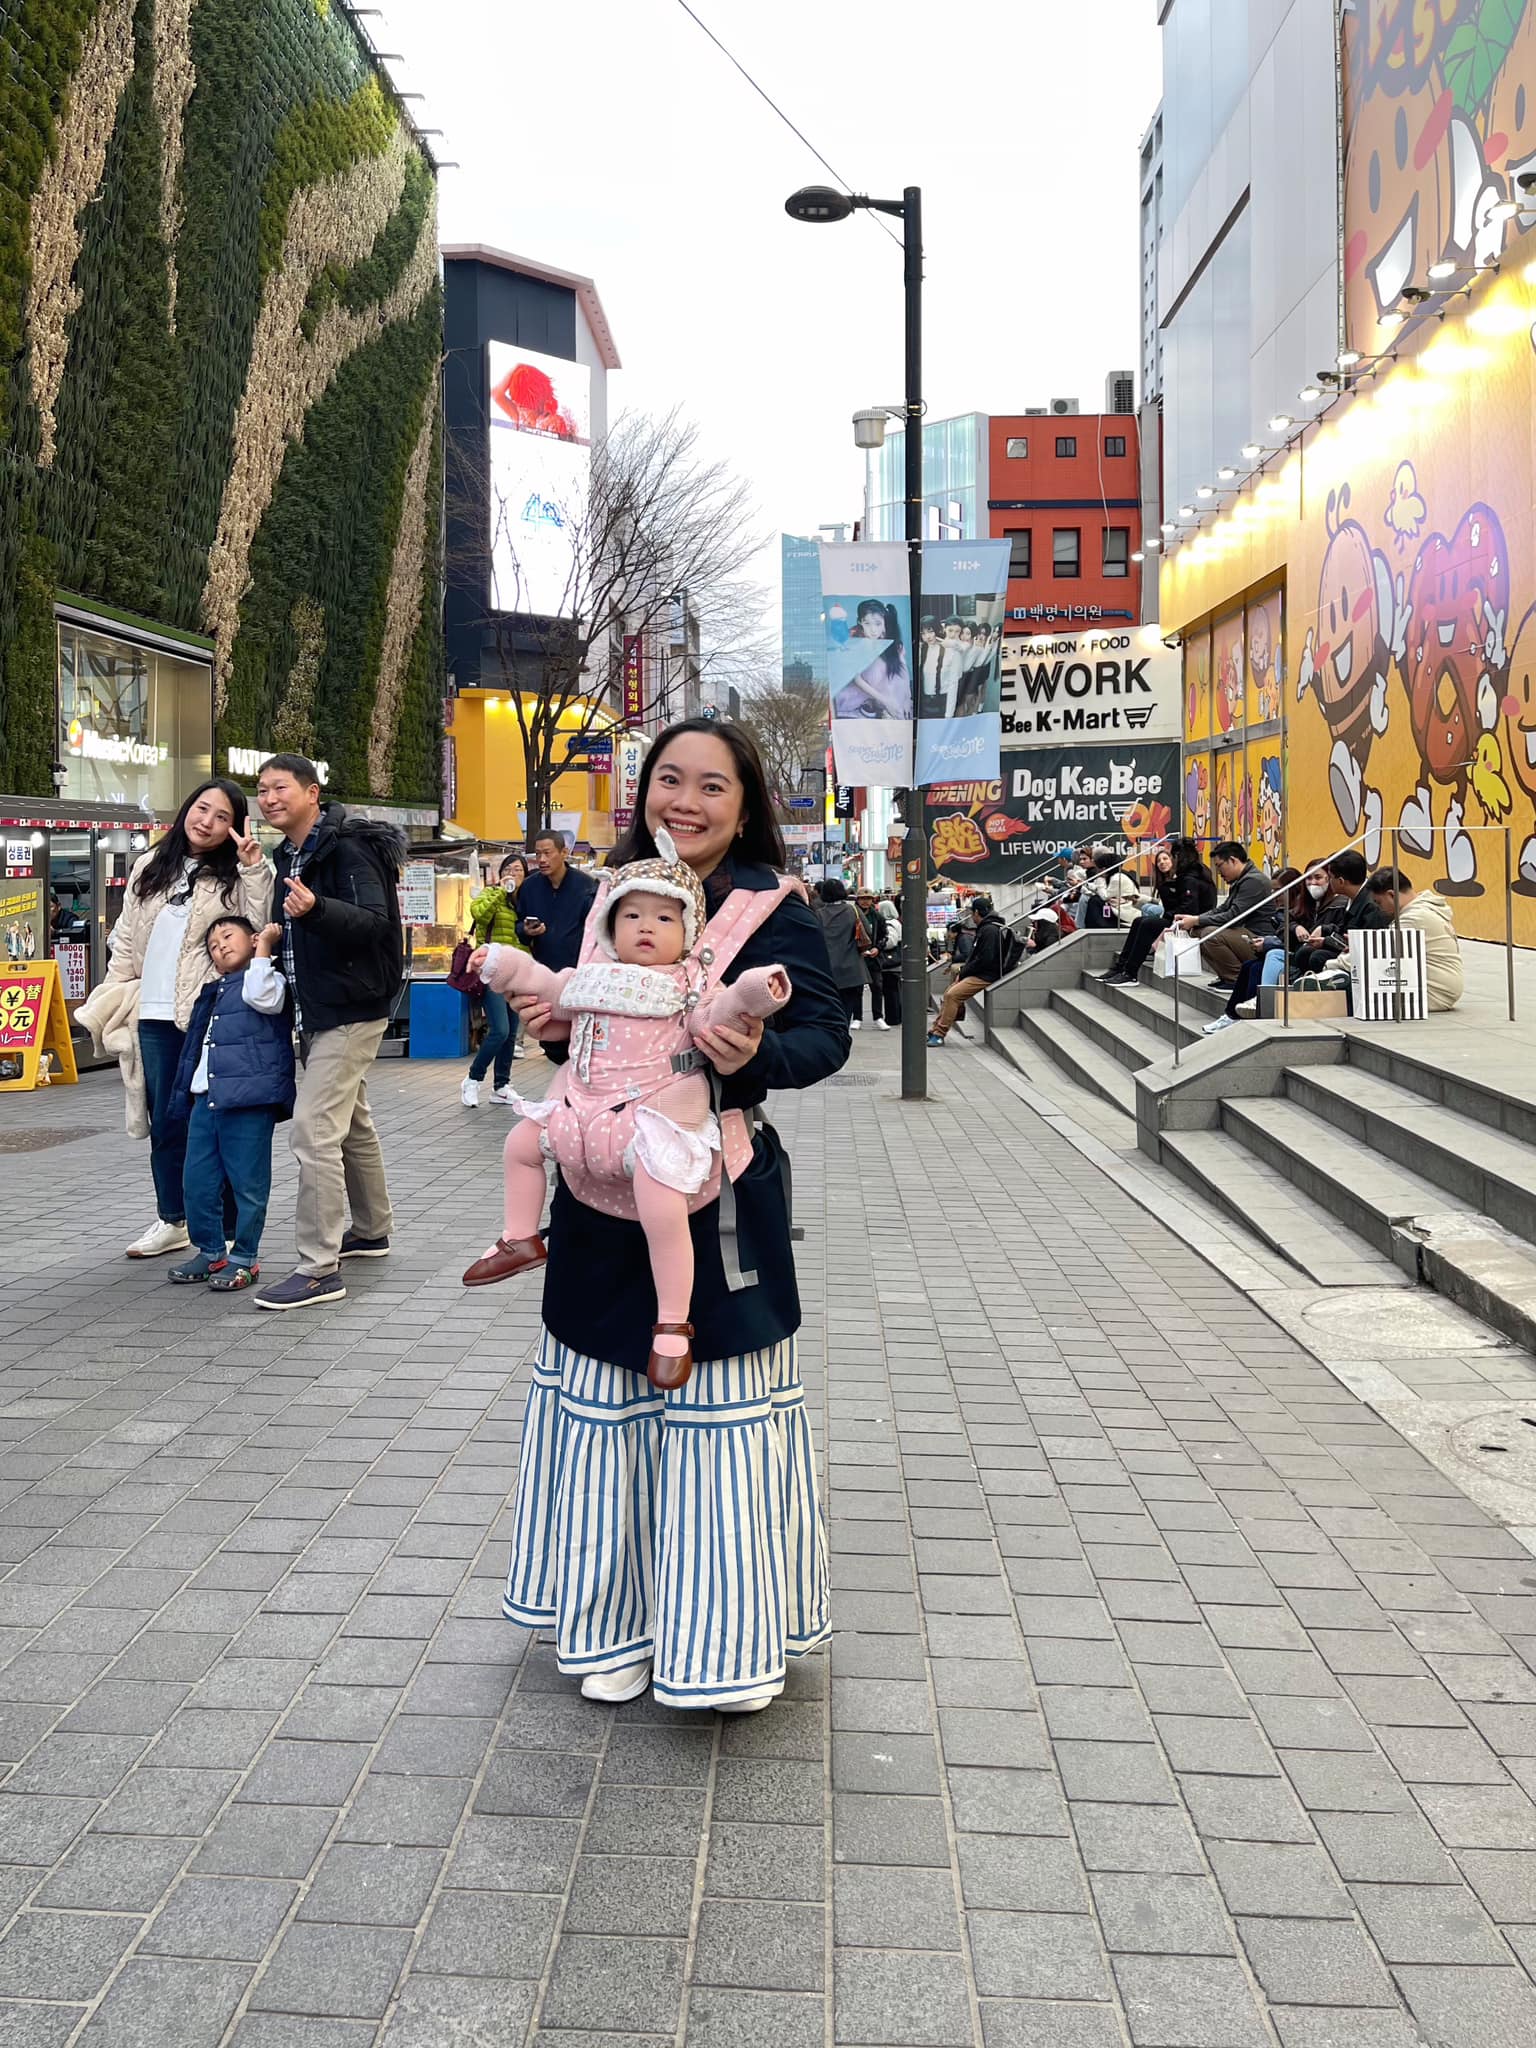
[754, 1703]
[469, 1093]
[160, 1237]
[881, 1025]
[503, 1094]
[519, 1051]
[1220, 1023]
[855, 1023]
[615, 1687]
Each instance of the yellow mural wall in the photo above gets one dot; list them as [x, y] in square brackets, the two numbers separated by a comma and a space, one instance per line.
[1400, 528]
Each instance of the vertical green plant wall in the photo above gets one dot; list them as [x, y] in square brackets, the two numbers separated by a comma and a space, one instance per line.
[220, 331]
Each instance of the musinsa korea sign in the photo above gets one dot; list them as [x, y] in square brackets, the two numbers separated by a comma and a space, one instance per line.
[1113, 685]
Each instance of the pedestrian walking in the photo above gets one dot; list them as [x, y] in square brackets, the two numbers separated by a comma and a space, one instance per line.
[493, 920]
[233, 1085]
[338, 906]
[552, 904]
[874, 950]
[675, 1538]
[207, 864]
[888, 920]
[847, 945]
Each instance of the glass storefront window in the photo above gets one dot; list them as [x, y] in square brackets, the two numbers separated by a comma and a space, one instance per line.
[135, 722]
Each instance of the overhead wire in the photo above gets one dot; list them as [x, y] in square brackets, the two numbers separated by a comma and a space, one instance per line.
[798, 133]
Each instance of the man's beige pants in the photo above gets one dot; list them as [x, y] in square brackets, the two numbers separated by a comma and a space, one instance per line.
[957, 996]
[334, 1141]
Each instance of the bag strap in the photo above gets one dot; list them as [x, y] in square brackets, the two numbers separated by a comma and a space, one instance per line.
[592, 929]
[743, 912]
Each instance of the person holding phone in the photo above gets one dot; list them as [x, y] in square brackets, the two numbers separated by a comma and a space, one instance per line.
[338, 905]
[552, 904]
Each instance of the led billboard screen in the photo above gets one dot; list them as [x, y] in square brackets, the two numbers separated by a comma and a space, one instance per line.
[540, 424]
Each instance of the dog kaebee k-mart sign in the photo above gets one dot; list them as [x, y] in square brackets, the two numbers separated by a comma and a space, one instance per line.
[1115, 685]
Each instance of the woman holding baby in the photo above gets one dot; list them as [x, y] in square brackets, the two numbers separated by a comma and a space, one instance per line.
[667, 1527]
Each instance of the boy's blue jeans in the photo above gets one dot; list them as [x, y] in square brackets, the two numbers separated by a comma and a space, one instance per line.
[233, 1145]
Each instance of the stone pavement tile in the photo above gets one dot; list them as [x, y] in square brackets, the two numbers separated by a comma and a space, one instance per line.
[615, 1982]
[1021, 1874]
[304, 1774]
[895, 1909]
[1000, 1683]
[1480, 1816]
[1441, 1756]
[880, 1763]
[37, 2026]
[1428, 1924]
[645, 1820]
[753, 1790]
[471, 2012]
[632, 1895]
[1292, 1723]
[1030, 2023]
[978, 1735]
[257, 1841]
[1134, 1838]
[1162, 1915]
[52, 1955]
[884, 2000]
[1188, 2002]
[729, 2019]
[116, 1873]
[1334, 1781]
[157, 2001]
[1345, 2027]
[87, 1766]
[221, 1919]
[342, 1972]
[39, 1827]
[1095, 1713]
[508, 1853]
[166, 1802]
[871, 1828]
[287, 2030]
[1007, 1802]
[1326, 1962]
[1130, 1771]
[881, 1705]
[205, 1738]
[371, 1885]
[760, 1946]
[1246, 1810]
[479, 1934]
[556, 1721]
[1470, 2008]
[1278, 1878]
[1385, 1848]
[755, 1862]
[1037, 1955]
[1503, 1879]
[1216, 1744]
[120, 1707]
[420, 1812]
[795, 1730]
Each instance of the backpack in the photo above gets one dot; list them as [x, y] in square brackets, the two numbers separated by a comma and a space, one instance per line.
[1013, 949]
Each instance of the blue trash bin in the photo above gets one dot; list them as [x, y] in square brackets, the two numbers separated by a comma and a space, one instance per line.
[439, 1022]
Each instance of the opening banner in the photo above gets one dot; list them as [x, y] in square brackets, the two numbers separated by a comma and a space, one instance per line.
[867, 607]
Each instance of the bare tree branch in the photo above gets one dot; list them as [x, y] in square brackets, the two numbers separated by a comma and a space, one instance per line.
[790, 729]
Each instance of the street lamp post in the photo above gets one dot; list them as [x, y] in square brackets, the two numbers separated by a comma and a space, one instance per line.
[819, 203]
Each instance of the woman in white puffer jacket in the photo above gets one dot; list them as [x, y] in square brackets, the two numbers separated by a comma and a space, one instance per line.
[207, 865]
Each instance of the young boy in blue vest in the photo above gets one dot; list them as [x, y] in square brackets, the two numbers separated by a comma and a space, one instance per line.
[235, 1082]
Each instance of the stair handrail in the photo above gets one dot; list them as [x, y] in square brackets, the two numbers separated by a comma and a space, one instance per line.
[1150, 846]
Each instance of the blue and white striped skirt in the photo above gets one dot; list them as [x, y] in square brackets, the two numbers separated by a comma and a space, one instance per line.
[680, 1527]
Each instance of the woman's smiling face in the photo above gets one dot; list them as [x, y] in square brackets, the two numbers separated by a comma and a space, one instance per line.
[696, 794]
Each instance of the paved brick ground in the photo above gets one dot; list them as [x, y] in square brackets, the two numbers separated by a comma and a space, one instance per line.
[1175, 1701]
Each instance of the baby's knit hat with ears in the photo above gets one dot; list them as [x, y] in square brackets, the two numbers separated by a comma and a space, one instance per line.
[667, 875]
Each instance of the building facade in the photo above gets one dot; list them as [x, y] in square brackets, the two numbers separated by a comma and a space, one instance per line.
[1358, 614]
[526, 354]
[955, 456]
[220, 497]
[1066, 496]
[802, 633]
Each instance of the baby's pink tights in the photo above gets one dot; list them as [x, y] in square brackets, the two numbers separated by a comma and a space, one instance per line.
[663, 1218]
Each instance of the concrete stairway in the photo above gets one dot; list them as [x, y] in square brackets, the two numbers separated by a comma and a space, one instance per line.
[1384, 1154]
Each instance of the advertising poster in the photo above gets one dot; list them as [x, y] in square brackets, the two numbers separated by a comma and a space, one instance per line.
[1051, 800]
[1264, 775]
[71, 959]
[1227, 676]
[1228, 769]
[1266, 658]
[1105, 686]
[540, 428]
[868, 611]
[22, 922]
[960, 641]
[418, 893]
[1197, 686]
[1197, 796]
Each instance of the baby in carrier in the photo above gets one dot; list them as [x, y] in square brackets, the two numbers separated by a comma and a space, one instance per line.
[629, 1122]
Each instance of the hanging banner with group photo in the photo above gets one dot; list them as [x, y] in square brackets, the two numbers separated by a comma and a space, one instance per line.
[960, 642]
[867, 606]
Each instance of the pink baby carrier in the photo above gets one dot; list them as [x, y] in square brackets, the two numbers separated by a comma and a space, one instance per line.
[594, 1166]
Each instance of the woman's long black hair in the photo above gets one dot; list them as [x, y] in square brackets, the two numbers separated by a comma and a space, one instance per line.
[761, 840]
[163, 868]
[895, 656]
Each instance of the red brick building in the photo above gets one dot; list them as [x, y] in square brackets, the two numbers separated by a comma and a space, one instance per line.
[1065, 490]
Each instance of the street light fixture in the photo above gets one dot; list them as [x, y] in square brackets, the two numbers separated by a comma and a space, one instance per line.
[819, 204]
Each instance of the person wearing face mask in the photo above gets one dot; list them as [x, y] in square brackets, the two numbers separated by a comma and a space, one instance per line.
[1306, 905]
[207, 865]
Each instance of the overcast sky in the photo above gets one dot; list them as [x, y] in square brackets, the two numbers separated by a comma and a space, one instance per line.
[611, 137]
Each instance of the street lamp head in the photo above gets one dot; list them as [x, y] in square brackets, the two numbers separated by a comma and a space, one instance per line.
[818, 203]
[869, 429]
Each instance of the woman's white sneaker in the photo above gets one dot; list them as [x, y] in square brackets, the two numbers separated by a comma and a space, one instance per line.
[615, 1687]
[754, 1703]
[469, 1093]
[160, 1237]
[502, 1095]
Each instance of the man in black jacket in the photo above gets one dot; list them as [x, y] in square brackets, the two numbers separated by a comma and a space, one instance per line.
[341, 954]
[982, 968]
[1245, 909]
[552, 905]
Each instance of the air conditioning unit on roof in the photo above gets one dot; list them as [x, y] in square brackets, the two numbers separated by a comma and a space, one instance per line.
[1063, 405]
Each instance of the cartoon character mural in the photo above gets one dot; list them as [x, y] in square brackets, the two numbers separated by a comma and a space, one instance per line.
[1454, 669]
[1265, 669]
[1226, 796]
[1439, 125]
[1362, 624]
[1519, 709]
[1197, 686]
[1197, 798]
[1271, 811]
[1244, 829]
[1227, 661]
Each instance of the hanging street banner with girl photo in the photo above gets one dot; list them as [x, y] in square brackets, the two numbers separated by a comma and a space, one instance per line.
[867, 606]
[868, 611]
[960, 644]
